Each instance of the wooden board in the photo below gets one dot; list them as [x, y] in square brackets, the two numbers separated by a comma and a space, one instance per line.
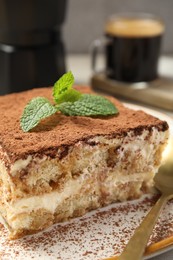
[157, 93]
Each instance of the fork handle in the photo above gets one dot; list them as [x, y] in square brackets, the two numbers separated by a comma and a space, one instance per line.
[136, 245]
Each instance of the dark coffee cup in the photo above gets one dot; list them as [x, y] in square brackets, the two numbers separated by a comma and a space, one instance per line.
[132, 47]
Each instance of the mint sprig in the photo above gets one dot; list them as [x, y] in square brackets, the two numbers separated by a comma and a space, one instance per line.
[68, 101]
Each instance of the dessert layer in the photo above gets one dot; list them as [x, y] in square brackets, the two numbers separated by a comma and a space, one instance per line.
[59, 130]
[77, 204]
[92, 176]
[52, 200]
[34, 175]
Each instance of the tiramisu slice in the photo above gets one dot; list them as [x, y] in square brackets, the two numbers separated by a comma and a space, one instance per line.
[69, 165]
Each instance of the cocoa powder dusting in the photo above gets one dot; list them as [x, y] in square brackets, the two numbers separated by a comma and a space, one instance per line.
[99, 234]
[59, 130]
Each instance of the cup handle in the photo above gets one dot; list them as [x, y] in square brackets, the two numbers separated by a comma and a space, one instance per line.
[97, 47]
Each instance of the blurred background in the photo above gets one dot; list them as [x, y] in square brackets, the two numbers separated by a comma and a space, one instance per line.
[41, 39]
[85, 21]
[86, 18]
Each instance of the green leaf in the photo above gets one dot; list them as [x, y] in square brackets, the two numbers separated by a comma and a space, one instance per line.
[38, 108]
[71, 95]
[63, 91]
[89, 105]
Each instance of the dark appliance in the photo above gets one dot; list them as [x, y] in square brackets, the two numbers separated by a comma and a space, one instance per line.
[31, 47]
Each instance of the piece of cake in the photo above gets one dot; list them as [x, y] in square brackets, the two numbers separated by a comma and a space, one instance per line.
[69, 165]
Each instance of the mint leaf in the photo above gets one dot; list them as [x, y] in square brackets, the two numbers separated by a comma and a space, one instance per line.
[37, 109]
[89, 105]
[63, 91]
[64, 83]
[70, 95]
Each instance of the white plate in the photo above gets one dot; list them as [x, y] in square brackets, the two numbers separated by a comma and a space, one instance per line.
[97, 235]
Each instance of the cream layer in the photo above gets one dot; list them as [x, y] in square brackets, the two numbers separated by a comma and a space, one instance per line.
[51, 201]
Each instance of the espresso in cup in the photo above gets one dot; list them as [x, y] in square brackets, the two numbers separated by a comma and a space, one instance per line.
[133, 47]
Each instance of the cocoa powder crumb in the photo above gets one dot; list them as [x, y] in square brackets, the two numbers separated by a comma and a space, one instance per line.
[60, 130]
